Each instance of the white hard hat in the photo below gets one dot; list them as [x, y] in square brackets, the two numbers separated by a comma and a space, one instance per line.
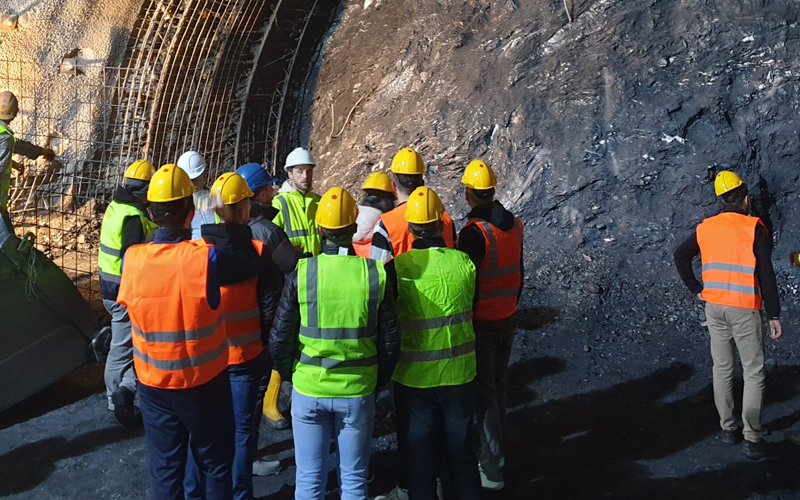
[192, 163]
[297, 157]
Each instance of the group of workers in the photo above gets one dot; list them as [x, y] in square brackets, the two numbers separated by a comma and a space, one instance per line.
[203, 311]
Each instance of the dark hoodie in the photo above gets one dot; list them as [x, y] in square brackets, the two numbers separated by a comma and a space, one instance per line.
[132, 234]
[471, 240]
[238, 261]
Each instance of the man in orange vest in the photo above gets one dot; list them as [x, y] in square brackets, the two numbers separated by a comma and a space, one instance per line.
[735, 250]
[392, 237]
[170, 289]
[250, 288]
[493, 240]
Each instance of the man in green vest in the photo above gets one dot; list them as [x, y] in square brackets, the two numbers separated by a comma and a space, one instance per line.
[334, 337]
[433, 390]
[297, 204]
[10, 145]
[125, 223]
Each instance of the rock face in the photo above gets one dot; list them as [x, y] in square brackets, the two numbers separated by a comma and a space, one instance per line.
[606, 132]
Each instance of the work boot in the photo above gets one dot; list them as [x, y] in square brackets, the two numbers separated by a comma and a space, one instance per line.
[124, 409]
[730, 437]
[490, 485]
[792, 436]
[755, 450]
[271, 412]
[397, 493]
[266, 467]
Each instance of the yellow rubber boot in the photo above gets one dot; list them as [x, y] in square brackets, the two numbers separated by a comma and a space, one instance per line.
[274, 417]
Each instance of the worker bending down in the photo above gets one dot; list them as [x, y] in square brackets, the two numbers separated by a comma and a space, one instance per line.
[249, 297]
[180, 349]
[125, 223]
[433, 392]
[735, 250]
[335, 338]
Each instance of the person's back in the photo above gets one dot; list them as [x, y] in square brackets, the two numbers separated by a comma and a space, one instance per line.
[379, 198]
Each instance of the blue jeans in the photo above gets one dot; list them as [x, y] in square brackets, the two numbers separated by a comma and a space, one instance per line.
[177, 420]
[315, 421]
[248, 382]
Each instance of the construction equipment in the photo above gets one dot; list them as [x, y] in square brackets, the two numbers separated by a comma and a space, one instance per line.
[424, 206]
[169, 183]
[726, 181]
[478, 175]
[407, 162]
[378, 181]
[230, 188]
[297, 157]
[337, 209]
[47, 328]
[192, 163]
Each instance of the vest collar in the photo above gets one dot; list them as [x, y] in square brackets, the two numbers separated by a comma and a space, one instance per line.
[437, 242]
[733, 209]
[331, 249]
[172, 235]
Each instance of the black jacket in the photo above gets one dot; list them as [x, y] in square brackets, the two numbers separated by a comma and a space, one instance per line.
[284, 344]
[762, 248]
[132, 234]
[472, 242]
[283, 253]
[237, 261]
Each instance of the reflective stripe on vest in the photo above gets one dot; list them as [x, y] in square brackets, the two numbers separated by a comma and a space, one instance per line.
[729, 262]
[5, 170]
[241, 318]
[434, 311]
[499, 276]
[339, 296]
[399, 235]
[299, 222]
[109, 258]
[178, 339]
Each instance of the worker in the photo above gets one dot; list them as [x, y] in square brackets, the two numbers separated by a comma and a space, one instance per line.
[493, 240]
[284, 256]
[735, 250]
[172, 294]
[379, 199]
[297, 204]
[249, 297]
[10, 145]
[433, 389]
[335, 338]
[392, 236]
[125, 223]
[193, 164]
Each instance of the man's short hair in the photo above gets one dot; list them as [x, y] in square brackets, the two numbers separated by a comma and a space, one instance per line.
[735, 196]
[426, 231]
[342, 237]
[172, 214]
[407, 183]
[484, 194]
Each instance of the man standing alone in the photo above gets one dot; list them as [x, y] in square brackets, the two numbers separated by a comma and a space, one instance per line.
[735, 250]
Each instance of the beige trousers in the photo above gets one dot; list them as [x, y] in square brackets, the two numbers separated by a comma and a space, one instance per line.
[729, 328]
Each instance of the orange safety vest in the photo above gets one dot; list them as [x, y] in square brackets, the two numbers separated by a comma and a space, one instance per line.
[499, 275]
[729, 264]
[178, 341]
[363, 249]
[401, 238]
[241, 318]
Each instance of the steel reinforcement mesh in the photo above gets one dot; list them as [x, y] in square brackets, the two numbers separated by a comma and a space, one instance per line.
[184, 84]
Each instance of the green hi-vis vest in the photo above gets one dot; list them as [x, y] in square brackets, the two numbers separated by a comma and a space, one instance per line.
[339, 297]
[109, 259]
[5, 170]
[435, 288]
[297, 217]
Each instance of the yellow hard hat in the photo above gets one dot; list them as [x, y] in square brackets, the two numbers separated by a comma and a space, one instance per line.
[230, 188]
[141, 170]
[726, 181]
[169, 183]
[424, 206]
[379, 181]
[479, 175]
[407, 161]
[337, 209]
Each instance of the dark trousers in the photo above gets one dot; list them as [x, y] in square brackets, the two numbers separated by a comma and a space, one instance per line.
[174, 418]
[438, 425]
[493, 343]
[6, 228]
[248, 383]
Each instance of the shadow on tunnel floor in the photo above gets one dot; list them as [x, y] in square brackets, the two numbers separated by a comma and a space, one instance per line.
[592, 445]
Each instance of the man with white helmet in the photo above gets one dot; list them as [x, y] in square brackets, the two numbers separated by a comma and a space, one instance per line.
[9, 145]
[297, 204]
[193, 164]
